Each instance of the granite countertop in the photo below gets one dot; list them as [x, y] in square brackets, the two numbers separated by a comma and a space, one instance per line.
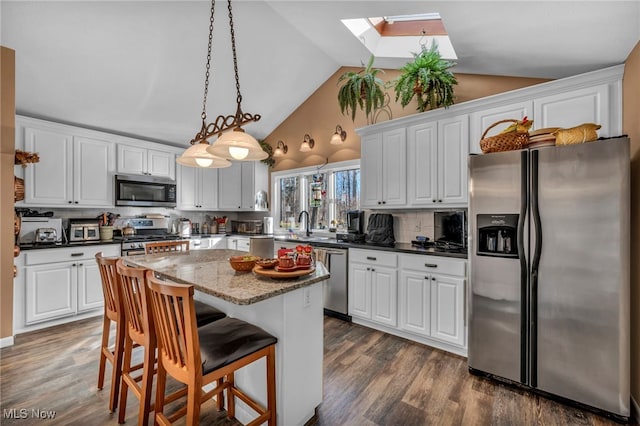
[34, 246]
[397, 247]
[209, 271]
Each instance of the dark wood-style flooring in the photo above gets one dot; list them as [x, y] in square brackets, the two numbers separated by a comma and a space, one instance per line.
[370, 378]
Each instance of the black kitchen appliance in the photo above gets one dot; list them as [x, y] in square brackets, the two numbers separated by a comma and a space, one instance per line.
[380, 230]
[450, 227]
[145, 191]
[355, 228]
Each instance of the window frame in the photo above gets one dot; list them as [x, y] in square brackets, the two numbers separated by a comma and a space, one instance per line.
[302, 174]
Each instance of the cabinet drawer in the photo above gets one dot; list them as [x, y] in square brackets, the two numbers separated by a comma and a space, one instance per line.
[433, 264]
[66, 254]
[374, 257]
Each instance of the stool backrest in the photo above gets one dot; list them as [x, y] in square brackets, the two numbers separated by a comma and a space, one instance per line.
[135, 300]
[166, 246]
[175, 319]
[110, 286]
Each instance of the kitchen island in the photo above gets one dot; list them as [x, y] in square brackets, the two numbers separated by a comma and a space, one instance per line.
[291, 310]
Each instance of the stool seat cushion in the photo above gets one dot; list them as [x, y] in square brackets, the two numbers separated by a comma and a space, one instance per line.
[206, 314]
[229, 339]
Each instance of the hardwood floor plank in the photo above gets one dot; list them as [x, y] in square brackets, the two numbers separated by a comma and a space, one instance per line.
[370, 379]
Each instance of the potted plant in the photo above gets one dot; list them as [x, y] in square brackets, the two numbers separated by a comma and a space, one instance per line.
[428, 79]
[362, 89]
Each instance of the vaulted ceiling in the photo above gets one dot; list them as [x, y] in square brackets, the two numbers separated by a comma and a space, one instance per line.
[137, 67]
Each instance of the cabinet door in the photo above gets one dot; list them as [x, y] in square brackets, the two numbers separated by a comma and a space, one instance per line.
[447, 309]
[93, 165]
[415, 302]
[132, 160]
[89, 286]
[230, 187]
[384, 295]
[247, 184]
[50, 181]
[422, 164]
[481, 120]
[243, 244]
[208, 188]
[187, 187]
[570, 109]
[453, 145]
[371, 171]
[394, 168]
[50, 291]
[359, 291]
[161, 163]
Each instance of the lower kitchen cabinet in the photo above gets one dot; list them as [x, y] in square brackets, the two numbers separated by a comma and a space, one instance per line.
[417, 297]
[59, 284]
[373, 286]
[238, 243]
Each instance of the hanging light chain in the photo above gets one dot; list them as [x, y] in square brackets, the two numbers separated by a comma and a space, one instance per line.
[235, 58]
[206, 75]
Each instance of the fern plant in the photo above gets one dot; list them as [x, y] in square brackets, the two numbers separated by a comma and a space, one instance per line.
[363, 89]
[428, 79]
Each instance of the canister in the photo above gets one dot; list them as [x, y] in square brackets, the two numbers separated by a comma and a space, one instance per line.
[267, 225]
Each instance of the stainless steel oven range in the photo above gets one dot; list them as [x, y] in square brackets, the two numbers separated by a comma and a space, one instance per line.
[146, 231]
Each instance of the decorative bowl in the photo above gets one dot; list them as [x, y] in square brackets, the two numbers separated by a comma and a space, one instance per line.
[243, 263]
[267, 263]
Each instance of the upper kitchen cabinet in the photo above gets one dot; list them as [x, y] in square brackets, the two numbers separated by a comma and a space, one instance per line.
[136, 160]
[383, 169]
[197, 188]
[480, 121]
[239, 185]
[437, 163]
[75, 169]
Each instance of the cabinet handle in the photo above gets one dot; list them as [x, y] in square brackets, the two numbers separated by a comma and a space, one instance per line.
[379, 202]
[426, 278]
[384, 202]
[73, 264]
[75, 202]
[433, 278]
[80, 264]
[439, 201]
[434, 200]
[77, 254]
[371, 258]
[431, 265]
[373, 270]
[368, 269]
[70, 202]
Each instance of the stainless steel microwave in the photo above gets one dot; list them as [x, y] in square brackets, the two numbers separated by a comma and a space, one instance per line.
[145, 191]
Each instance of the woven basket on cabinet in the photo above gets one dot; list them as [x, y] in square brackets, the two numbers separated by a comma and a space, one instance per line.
[503, 141]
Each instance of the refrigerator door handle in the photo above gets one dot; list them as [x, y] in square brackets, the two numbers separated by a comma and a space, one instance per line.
[524, 300]
[535, 213]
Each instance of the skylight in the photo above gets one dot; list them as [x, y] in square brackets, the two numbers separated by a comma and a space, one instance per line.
[400, 36]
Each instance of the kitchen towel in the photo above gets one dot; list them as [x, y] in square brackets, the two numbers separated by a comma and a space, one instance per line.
[321, 256]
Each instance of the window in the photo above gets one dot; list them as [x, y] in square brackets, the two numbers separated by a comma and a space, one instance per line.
[326, 193]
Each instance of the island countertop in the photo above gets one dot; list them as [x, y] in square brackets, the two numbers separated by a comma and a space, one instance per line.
[209, 271]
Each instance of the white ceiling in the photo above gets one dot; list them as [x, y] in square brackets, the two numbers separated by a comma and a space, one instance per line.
[137, 67]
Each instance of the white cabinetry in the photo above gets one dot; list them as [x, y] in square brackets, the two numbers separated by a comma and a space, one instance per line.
[437, 163]
[238, 243]
[383, 169]
[373, 286]
[75, 168]
[197, 188]
[238, 185]
[58, 283]
[135, 160]
[432, 297]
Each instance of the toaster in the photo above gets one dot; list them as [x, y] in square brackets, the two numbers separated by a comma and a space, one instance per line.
[46, 235]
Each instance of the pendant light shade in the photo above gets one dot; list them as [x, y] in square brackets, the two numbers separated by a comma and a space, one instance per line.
[237, 145]
[197, 156]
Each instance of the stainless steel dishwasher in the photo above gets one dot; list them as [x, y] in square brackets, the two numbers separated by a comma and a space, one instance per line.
[336, 287]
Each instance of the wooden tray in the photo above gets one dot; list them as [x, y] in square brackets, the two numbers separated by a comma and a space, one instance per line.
[272, 273]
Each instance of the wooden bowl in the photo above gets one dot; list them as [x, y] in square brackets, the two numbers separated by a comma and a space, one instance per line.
[243, 263]
[267, 263]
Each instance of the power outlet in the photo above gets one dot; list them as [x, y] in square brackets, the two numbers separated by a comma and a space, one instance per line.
[306, 296]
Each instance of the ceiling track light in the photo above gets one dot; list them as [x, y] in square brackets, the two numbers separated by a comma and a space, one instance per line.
[339, 136]
[281, 149]
[232, 143]
[307, 143]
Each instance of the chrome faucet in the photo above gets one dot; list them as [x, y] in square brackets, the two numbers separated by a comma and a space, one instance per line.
[308, 221]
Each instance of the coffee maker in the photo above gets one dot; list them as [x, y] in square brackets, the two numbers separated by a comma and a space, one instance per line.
[355, 227]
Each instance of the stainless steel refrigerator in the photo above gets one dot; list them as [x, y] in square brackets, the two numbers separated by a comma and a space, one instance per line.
[549, 287]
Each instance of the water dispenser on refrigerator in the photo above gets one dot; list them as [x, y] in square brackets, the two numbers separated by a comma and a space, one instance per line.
[497, 235]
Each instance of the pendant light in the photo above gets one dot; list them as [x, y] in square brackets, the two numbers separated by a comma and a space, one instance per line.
[235, 144]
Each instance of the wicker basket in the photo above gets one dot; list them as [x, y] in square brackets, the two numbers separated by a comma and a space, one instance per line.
[18, 189]
[503, 141]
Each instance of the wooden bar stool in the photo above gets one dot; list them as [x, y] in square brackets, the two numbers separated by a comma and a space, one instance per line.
[166, 246]
[112, 313]
[139, 329]
[199, 356]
